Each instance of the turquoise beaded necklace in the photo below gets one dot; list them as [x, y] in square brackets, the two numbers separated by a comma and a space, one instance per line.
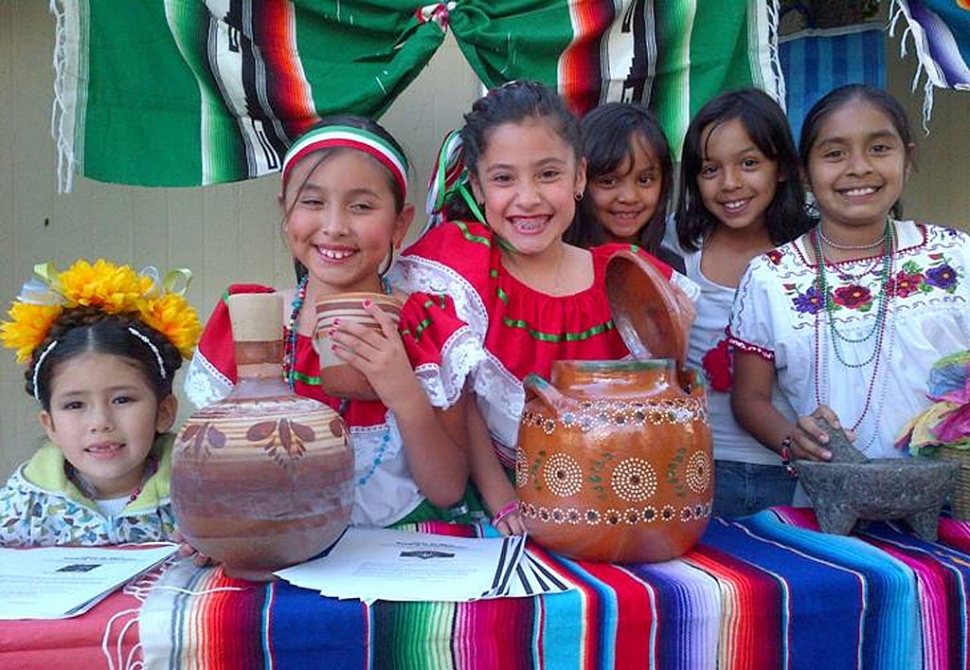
[289, 350]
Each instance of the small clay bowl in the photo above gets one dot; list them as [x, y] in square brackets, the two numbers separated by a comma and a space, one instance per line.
[913, 489]
[337, 378]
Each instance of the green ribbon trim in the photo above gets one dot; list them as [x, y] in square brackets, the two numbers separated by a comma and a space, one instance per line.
[470, 201]
[562, 337]
[470, 237]
[171, 280]
[305, 378]
[418, 329]
[48, 273]
[439, 300]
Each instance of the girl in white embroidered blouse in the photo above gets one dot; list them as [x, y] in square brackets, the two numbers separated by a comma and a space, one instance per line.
[847, 318]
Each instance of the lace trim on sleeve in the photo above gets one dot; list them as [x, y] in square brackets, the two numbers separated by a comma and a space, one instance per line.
[460, 354]
[204, 384]
[421, 275]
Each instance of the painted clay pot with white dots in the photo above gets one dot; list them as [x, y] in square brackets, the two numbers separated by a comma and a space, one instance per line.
[614, 460]
[262, 479]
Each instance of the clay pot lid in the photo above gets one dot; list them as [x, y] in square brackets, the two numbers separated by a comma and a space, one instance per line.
[644, 308]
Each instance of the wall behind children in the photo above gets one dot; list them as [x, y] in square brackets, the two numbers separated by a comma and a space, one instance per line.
[231, 232]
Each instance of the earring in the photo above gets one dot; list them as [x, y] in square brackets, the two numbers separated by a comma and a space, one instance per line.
[578, 196]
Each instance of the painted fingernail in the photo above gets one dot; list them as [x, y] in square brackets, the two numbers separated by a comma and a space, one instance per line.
[368, 302]
[333, 347]
[331, 332]
[336, 322]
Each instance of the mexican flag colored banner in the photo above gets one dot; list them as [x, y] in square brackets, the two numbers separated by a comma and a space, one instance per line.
[215, 90]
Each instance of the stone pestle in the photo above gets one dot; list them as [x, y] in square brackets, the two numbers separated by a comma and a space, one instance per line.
[843, 451]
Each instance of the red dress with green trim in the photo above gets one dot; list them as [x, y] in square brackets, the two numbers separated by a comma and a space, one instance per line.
[442, 350]
[522, 330]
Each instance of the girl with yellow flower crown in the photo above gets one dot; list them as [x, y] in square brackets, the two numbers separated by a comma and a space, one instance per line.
[102, 344]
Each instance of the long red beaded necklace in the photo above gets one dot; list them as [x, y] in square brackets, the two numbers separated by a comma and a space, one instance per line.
[878, 330]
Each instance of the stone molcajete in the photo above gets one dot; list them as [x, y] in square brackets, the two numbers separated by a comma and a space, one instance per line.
[614, 458]
[852, 488]
[262, 479]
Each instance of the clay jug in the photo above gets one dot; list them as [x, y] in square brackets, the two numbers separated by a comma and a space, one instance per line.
[614, 461]
[262, 479]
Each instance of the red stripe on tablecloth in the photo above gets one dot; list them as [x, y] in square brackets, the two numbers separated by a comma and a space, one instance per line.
[752, 610]
[634, 611]
[238, 610]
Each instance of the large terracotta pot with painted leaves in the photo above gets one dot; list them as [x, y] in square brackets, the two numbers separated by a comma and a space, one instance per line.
[614, 460]
[262, 479]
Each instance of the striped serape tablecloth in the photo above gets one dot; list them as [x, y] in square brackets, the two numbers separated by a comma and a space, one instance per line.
[766, 591]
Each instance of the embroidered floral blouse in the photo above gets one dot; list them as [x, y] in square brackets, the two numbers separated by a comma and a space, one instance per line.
[868, 354]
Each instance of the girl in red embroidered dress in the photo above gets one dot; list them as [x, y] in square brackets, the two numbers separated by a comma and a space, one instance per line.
[529, 297]
[344, 201]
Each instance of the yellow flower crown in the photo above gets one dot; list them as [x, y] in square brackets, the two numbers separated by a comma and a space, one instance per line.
[114, 289]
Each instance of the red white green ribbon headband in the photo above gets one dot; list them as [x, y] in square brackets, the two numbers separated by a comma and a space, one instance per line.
[352, 138]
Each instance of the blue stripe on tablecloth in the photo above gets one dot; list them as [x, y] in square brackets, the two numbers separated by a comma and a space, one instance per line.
[561, 647]
[889, 618]
[688, 601]
[956, 571]
[336, 633]
[604, 618]
[817, 631]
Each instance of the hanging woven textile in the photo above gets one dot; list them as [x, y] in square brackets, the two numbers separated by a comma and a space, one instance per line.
[190, 92]
[940, 31]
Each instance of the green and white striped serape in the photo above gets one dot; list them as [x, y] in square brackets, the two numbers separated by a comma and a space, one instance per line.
[186, 92]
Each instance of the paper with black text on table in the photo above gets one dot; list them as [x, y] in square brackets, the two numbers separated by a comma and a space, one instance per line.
[59, 582]
[382, 564]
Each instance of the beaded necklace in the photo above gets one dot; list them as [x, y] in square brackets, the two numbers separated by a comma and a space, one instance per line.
[289, 348]
[289, 371]
[878, 330]
[848, 247]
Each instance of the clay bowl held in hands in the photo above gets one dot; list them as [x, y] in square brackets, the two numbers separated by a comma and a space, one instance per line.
[337, 378]
[878, 490]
